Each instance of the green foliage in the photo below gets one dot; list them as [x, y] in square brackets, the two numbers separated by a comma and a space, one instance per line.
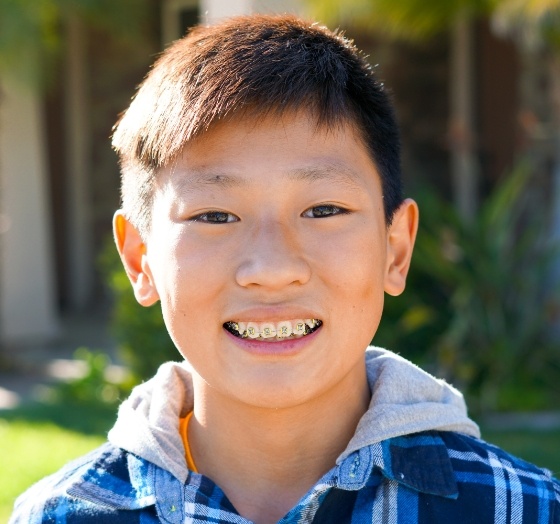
[31, 31]
[421, 19]
[480, 304]
[535, 21]
[406, 19]
[28, 36]
[144, 343]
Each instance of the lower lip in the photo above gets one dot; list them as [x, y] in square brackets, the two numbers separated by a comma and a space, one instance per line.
[279, 348]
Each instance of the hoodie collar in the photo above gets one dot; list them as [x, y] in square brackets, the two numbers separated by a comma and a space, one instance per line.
[148, 421]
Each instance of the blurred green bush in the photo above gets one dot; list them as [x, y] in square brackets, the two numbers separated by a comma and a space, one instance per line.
[478, 309]
[100, 383]
[480, 301]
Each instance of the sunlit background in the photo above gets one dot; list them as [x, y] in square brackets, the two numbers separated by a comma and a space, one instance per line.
[476, 84]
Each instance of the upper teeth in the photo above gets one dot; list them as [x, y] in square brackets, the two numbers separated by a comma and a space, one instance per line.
[282, 329]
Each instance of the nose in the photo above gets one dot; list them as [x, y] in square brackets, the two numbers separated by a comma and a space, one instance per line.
[273, 258]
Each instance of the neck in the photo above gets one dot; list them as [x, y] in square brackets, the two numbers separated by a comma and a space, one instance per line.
[273, 456]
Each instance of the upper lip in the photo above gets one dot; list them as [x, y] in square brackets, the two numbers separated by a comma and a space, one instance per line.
[273, 314]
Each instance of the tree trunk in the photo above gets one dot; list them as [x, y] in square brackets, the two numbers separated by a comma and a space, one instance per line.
[464, 163]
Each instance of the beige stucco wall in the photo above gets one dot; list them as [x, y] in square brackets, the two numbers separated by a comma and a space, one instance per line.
[27, 311]
[213, 10]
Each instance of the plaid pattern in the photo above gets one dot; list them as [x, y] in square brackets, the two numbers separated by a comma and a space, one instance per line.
[425, 478]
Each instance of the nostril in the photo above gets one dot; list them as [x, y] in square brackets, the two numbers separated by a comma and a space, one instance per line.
[273, 268]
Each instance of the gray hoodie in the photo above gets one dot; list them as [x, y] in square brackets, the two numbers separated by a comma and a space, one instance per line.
[404, 400]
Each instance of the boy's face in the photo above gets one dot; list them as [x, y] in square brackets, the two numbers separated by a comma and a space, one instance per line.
[270, 222]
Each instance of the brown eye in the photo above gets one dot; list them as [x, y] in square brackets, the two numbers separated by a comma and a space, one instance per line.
[215, 217]
[324, 210]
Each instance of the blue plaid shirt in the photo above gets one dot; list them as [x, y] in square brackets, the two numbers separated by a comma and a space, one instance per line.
[424, 478]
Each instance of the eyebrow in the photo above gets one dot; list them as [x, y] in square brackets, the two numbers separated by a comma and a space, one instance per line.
[333, 172]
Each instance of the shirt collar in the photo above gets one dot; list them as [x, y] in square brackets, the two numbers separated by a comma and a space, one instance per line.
[117, 480]
[420, 462]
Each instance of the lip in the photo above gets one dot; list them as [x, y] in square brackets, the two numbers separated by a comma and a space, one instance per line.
[279, 348]
[273, 314]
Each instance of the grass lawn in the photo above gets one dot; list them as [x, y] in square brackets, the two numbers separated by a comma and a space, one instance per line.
[38, 439]
[32, 450]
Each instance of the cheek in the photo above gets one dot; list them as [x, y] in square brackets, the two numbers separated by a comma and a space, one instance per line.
[185, 267]
[188, 281]
[356, 266]
[354, 274]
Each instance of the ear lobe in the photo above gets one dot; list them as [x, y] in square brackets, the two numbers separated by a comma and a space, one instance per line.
[132, 251]
[400, 243]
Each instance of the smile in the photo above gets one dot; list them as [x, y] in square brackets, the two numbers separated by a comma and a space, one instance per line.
[271, 331]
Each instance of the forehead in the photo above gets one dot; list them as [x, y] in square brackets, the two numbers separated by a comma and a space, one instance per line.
[294, 144]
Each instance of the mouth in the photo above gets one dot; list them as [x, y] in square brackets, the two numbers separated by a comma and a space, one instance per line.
[273, 331]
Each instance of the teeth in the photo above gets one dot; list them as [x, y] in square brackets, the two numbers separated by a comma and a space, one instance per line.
[283, 329]
[299, 327]
[253, 330]
[269, 330]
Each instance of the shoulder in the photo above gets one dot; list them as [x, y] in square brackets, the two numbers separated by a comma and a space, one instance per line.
[452, 477]
[468, 449]
[93, 487]
[487, 472]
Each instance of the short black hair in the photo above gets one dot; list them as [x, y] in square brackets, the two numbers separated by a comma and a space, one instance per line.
[257, 64]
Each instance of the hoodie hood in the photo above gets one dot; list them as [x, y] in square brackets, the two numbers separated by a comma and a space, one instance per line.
[404, 400]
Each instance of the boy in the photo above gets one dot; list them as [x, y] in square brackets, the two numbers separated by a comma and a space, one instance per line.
[262, 208]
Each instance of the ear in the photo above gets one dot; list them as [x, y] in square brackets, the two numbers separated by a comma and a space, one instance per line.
[400, 243]
[132, 251]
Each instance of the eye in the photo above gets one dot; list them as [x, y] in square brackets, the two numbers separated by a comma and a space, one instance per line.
[215, 217]
[324, 210]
